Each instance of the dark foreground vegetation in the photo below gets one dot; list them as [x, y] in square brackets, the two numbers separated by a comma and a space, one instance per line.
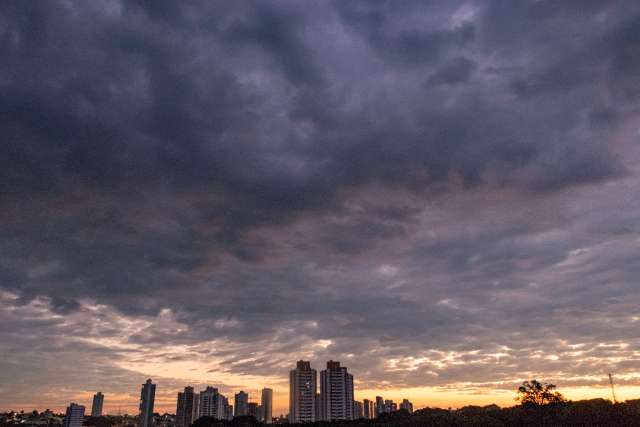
[596, 412]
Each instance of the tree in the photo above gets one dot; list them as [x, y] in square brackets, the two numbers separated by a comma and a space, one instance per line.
[537, 393]
[209, 422]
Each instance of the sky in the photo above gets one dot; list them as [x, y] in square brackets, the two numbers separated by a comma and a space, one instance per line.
[442, 195]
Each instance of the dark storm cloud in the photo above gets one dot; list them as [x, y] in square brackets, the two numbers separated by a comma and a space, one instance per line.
[342, 176]
[458, 70]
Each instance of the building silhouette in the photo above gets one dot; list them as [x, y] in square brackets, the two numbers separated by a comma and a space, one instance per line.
[253, 410]
[358, 410]
[302, 393]
[147, 398]
[379, 405]
[267, 405]
[408, 406]
[96, 405]
[318, 407]
[241, 404]
[368, 409]
[336, 392]
[74, 416]
[185, 407]
[196, 407]
[390, 406]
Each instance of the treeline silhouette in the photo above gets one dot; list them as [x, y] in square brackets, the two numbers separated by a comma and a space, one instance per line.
[594, 412]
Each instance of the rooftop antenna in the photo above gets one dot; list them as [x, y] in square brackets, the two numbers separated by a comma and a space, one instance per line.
[613, 392]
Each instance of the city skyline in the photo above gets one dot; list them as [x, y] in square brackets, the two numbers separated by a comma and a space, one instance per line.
[444, 196]
[335, 401]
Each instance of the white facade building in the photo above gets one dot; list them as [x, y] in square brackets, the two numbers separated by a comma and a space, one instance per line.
[302, 393]
[336, 392]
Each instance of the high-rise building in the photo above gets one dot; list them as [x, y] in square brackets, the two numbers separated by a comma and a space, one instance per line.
[390, 406]
[368, 409]
[196, 407]
[267, 405]
[241, 404]
[336, 392]
[228, 412]
[302, 393]
[74, 416]
[184, 408]
[318, 407]
[180, 410]
[213, 404]
[252, 410]
[358, 410]
[379, 405]
[147, 397]
[408, 406]
[96, 406]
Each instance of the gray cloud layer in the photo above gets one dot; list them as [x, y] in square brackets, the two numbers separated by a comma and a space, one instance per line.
[442, 190]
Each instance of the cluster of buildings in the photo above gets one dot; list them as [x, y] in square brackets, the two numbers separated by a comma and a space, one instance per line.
[333, 399]
[329, 399]
[45, 418]
[211, 403]
[74, 417]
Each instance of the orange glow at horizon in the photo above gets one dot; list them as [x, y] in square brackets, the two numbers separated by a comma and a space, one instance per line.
[420, 397]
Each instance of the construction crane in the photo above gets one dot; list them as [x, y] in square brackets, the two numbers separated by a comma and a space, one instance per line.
[613, 392]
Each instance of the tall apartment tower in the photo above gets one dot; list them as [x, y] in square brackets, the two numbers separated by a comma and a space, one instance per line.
[229, 412]
[358, 410]
[253, 410]
[267, 405]
[213, 404]
[318, 407]
[147, 397]
[390, 406]
[336, 392]
[241, 404]
[96, 406]
[379, 405]
[368, 409]
[195, 414]
[74, 416]
[406, 405]
[184, 408]
[302, 393]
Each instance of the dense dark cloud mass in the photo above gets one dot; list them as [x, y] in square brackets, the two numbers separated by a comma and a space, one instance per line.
[440, 195]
